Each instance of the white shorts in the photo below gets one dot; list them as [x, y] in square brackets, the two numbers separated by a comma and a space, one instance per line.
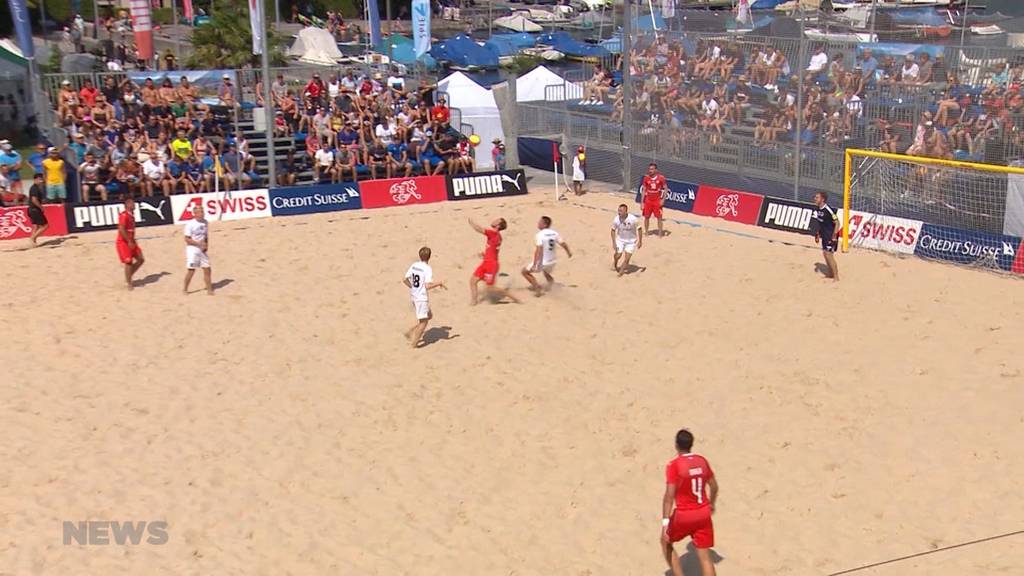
[627, 246]
[196, 259]
[422, 310]
[548, 268]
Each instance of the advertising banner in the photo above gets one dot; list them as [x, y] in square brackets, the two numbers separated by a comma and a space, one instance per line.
[103, 215]
[256, 24]
[236, 205]
[486, 185]
[421, 26]
[206, 81]
[295, 200]
[788, 215]
[886, 233]
[14, 222]
[964, 247]
[403, 191]
[681, 195]
[728, 204]
[142, 24]
[22, 27]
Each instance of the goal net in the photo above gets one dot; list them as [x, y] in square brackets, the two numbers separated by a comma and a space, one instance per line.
[948, 210]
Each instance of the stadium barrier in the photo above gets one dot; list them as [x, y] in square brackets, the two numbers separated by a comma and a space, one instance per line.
[15, 224]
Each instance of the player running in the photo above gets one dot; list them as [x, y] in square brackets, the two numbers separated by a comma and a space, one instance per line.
[488, 269]
[197, 245]
[689, 501]
[545, 255]
[127, 250]
[654, 189]
[827, 234]
[626, 238]
[420, 280]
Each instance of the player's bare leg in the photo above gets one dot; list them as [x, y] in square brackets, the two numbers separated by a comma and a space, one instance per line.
[474, 297]
[500, 294]
[130, 269]
[550, 279]
[188, 279]
[534, 285]
[208, 280]
[707, 564]
[37, 231]
[647, 225]
[625, 263]
[833, 268]
[615, 261]
[415, 334]
[661, 227]
[671, 558]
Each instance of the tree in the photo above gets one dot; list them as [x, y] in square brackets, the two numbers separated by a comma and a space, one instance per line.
[226, 42]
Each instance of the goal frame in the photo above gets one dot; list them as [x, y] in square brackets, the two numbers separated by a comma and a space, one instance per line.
[851, 153]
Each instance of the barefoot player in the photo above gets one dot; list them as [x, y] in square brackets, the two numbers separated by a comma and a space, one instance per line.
[827, 234]
[545, 255]
[420, 280]
[488, 268]
[654, 190]
[127, 250]
[626, 238]
[197, 245]
[689, 501]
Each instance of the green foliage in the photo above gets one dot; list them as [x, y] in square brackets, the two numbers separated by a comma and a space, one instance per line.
[52, 66]
[523, 63]
[226, 42]
[348, 8]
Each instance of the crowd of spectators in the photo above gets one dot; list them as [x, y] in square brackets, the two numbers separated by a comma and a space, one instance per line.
[752, 90]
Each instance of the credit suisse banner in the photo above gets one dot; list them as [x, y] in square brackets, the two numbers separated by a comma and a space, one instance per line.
[681, 195]
[236, 205]
[886, 233]
[787, 215]
[964, 247]
[728, 204]
[403, 191]
[14, 222]
[294, 200]
[487, 185]
[103, 215]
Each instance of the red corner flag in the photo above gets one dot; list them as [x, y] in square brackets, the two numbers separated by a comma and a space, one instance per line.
[554, 152]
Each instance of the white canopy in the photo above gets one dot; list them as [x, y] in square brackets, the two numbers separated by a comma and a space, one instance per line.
[533, 86]
[315, 46]
[517, 23]
[478, 109]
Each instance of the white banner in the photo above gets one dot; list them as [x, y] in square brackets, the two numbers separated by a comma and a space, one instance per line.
[885, 233]
[421, 26]
[1013, 220]
[234, 205]
[256, 23]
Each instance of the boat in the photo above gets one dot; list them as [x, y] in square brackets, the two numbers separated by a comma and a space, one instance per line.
[832, 35]
[572, 48]
[463, 53]
[518, 23]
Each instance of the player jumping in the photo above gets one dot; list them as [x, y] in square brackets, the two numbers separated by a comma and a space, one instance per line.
[626, 238]
[545, 255]
[197, 244]
[420, 279]
[654, 189]
[691, 487]
[127, 250]
[827, 234]
[488, 269]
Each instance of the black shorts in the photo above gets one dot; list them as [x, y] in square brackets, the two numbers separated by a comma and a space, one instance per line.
[37, 216]
[829, 244]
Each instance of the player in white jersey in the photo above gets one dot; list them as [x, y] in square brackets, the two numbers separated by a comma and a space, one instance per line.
[626, 238]
[420, 279]
[545, 255]
[197, 243]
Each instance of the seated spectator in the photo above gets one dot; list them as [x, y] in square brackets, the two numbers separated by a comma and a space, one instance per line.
[234, 172]
[346, 164]
[176, 174]
[154, 173]
[323, 167]
[11, 159]
[89, 176]
[398, 159]
[226, 92]
[909, 72]
[924, 69]
[377, 160]
[817, 66]
[195, 178]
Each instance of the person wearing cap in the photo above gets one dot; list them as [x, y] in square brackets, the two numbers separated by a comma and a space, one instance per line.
[430, 155]
[498, 154]
[281, 126]
[67, 99]
[10, 158]
[579, 167]
[54, 176]
[440, 115]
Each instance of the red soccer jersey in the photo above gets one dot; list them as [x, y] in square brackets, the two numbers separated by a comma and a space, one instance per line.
[653, 185]
[126, 220]
[493, 243]
[439, 113]
[690, 474]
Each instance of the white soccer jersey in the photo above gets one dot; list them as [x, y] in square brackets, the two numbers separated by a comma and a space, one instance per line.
[549, 240]
[197, 231]
[625, 231]
[419, 275]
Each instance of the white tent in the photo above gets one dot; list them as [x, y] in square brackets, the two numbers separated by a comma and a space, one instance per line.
[315, 46]
[478, 109]
[533, 86]
[518, 23]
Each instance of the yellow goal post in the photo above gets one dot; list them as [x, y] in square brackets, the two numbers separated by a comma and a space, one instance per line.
[962, 195]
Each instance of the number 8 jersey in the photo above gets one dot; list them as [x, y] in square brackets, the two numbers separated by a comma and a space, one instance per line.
[419, 275]
[690, 474]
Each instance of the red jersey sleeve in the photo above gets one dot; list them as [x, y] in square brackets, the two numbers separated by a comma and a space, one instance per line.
[491, 234]
[671, 473]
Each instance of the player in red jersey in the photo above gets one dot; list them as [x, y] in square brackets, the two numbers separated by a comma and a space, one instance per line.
[488, 269]
[127, 250]
[689, 501]
[654, 188]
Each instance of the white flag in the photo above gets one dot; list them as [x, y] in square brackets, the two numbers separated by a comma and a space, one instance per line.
[256, 22]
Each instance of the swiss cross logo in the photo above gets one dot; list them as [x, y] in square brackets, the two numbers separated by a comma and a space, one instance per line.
[186, 214]
[727, 205]
[402, 191]
[12, 221]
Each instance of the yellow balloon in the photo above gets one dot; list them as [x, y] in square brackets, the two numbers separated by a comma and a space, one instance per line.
[474, 139]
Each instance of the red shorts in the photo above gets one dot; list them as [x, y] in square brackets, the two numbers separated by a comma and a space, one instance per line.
[126, 254]
[695, 524]
[652, 207]
[487, 271]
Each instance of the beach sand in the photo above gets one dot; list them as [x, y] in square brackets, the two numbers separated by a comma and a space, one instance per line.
[283, 426]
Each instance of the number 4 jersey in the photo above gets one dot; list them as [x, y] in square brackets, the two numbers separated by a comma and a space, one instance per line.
[690, 473]
[419, 275]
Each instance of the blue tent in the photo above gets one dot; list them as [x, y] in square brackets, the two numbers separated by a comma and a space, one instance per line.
[403, 51]
[510, 44]
[462, 52]
[571, 47]
[766, 4]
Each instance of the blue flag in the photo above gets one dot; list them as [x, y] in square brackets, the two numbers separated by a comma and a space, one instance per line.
[22, 27]
[373, 15]
[421, 26]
